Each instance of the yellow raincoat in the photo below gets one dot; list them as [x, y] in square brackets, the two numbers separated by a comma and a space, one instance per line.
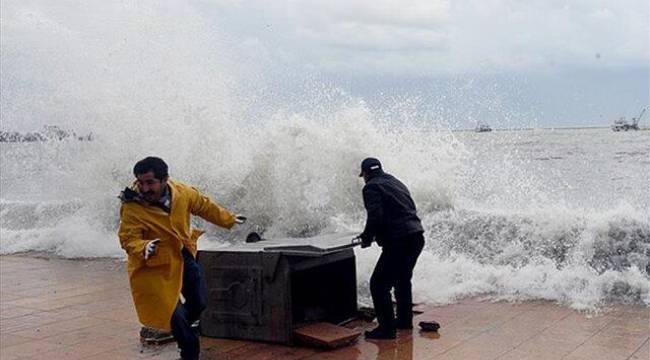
[156, 282]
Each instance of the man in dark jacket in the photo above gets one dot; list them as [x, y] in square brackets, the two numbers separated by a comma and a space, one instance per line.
[393, 223]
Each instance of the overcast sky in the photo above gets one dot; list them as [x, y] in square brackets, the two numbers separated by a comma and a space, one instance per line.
[545, 63]
[431, 37]
[537, 62]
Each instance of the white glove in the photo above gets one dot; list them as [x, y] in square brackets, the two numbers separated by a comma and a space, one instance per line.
[150, 248]
[240, 219]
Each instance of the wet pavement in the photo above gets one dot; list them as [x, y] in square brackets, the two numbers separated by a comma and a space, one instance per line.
[81, 309]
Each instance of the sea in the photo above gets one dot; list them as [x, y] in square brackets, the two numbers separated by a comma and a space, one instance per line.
[553, 214]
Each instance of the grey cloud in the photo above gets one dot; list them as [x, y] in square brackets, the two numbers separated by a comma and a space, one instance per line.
[472, 35]
[364, 37]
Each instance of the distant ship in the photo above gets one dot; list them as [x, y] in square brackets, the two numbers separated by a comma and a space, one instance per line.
[483, 128]
[622, 124]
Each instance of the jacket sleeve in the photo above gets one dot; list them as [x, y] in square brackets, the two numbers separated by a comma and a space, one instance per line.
[131, 234]
[372, 203]
[201, 205]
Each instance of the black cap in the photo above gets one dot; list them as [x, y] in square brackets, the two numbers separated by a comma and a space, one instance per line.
[369, 165]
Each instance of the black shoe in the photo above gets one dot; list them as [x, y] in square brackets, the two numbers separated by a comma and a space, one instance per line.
[379, 334]
[429, 326]
[154, 336]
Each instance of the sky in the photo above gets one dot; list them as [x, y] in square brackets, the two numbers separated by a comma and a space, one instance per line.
[541, 63]
[544, 63]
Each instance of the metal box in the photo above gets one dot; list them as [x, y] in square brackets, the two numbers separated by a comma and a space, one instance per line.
[264, 290]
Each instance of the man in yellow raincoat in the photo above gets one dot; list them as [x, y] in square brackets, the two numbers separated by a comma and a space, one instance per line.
[155, 233]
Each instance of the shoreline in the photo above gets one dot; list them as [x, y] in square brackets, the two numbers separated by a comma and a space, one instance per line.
[81, 309]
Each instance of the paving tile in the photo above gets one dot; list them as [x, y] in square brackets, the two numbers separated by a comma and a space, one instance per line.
[78, 351]
[591, 352]
[77, 337]
[14, 312]
[116, 328]
[122, 314]
[150, 351]
[636, 327]
[421, 346]
[517, 354]
[160, 353]
[27, 322]
[643, 352]
[465, 354]
[7, 339]
[362, 350]
[337, 354]
[244, 352]
[402, 352]
[28, 349]
[485, 346]
[221, 345]
[63, 314]
[60, 309]
[578, 324]
[616, 341]
[115, 355]
[370, 349]
[7, 296]
[12, 357]
[282, 352]
[44, 331]
[542, 347]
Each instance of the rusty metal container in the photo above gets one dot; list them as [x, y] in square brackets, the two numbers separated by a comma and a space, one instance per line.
[264, 290]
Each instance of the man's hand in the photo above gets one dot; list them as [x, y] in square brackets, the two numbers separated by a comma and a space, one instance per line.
[240, 219]
[150, 248]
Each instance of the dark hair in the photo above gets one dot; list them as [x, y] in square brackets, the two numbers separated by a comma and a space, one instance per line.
[151, 163]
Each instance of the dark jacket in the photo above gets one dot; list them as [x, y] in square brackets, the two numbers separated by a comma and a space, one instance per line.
[391, 211]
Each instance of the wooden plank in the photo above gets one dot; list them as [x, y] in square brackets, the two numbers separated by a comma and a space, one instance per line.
[326, 335]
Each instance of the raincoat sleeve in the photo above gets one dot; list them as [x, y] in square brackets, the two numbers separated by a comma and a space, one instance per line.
[131, 234]
[372, 203]
[201, 205]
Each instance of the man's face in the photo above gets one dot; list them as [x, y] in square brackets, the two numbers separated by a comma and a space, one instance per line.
[151, 188]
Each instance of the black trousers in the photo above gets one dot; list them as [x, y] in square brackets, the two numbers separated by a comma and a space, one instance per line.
[195, 293]
[394, 269]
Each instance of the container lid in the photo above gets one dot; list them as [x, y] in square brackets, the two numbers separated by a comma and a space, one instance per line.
[313, 246]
